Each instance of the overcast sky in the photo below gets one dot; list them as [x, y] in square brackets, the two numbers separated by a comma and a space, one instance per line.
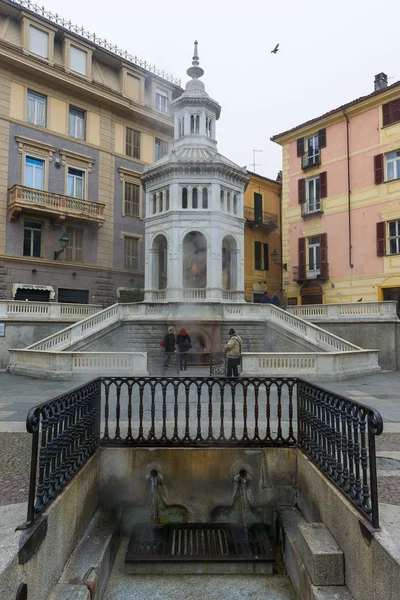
[329, 53]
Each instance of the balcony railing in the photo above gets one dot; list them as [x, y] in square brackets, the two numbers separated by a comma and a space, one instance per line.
[311, 159]
[266, 220]
[311, 207]
[305, 272]
[55, 205]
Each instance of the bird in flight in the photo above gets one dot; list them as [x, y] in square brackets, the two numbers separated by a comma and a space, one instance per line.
[275, 50]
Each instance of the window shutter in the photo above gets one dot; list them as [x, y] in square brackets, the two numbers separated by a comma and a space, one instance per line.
[266, 257]
[381, 238]
[378, 169]
[302, 190]
[386, 114]
[323, 185]
[258, 208]
[300, 147]
[322, 138]
[395, 111]
[323, 247]
[302, 258]
[257, 256]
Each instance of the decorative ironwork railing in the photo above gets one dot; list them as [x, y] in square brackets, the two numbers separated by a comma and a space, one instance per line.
[92, 37]
[24, 197]
[268, 220]
[311, 159]
[338, 435]
[65, 434]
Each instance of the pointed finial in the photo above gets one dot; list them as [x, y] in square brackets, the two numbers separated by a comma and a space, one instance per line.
[195, 71]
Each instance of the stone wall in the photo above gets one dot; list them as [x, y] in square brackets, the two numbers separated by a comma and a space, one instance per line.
[371, 335]
[22, 334]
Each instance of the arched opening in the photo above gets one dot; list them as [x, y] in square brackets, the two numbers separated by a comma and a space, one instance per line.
[167, 199]
[228, 202]
[160, 262]
[161, 202]
[235, 204]
[184, 198]
[222, 197]
[229, 263]
[194, 260]
[205, 198]
[154, 204]
[194, 198]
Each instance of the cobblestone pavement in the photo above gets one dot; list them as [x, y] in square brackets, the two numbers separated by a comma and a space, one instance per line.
[388, 441]
[388, 485]
[15, 450]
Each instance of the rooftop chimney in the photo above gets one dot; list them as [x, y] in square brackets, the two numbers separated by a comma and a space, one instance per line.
[380, 82]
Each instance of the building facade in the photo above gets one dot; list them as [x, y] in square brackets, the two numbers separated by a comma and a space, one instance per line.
[194, 225]
[340, 202]
[262, 238]
[78, 123]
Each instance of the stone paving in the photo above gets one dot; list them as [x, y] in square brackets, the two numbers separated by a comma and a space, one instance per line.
[15, 451]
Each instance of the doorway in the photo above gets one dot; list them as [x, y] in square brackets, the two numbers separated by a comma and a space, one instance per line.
[393, 294]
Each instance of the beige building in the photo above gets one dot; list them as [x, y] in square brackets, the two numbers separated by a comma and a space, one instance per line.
[78, 122]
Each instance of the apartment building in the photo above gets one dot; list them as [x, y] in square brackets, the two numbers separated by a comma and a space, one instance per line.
[341, 201]
[262, 238]
[79, 120]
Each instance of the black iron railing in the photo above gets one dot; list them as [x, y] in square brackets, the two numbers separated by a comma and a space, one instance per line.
[198, 411]
[338, 434]
[311, 158]
[66, 433]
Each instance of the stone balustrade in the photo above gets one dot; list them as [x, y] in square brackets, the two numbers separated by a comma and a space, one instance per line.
[55, 311]
[346, 311]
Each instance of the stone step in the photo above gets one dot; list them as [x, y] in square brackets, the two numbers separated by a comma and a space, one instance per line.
[321, 555]
[290, 520]
[90, 564]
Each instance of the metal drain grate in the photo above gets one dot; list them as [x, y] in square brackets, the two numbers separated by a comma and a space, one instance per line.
[200, 542]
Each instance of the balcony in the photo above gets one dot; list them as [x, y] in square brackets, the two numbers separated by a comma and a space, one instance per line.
[53, 205]
[311, 158]
[302, 273]
[311, 208]
[267, 221]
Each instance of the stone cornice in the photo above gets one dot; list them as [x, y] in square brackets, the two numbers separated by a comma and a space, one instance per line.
[200, 169]
[196, 101]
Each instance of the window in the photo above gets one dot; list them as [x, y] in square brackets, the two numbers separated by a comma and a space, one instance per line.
[167, 200]
[313, 200]
[194, 123]
[161, 201]
[208, 127]
[258, 208]
[222, 199]
[34, 173]
[76, 123]
[161, 149]
[391, 112]
[78, 60]
[132, 143]
[161, 101]
[184, 198]
[314, 256]
[32, 238]
[38, 42]
[194, 198]
[181, 126]
[154, 204]
[205, 198]
[312, 152]
[261, 256]
[132, 199]
[393, 165]
[36, 109]
[228, 202]
[235, 204]
[76, 183]
[131, 251]
[74, 249]
[394, 237]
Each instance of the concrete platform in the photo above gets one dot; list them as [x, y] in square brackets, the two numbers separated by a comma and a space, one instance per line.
[321, 555]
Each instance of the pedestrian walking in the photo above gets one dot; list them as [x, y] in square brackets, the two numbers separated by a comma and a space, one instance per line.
[275, 300]
[266, 299]
[233, 352]
[169, 345]
[184, 345]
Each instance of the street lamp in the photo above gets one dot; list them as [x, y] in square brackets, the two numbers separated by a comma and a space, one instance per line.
[64, 239]
[275, 257]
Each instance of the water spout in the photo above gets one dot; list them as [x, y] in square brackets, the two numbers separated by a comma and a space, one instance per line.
[243, 481]
[155, 480]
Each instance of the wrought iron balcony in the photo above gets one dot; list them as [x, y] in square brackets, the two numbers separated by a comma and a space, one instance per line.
[303, 273]
[311, 208]
[267, 221]
[53, 205]
[310, 159]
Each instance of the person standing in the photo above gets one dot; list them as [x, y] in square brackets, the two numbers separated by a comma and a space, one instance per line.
[275, 300]
[266, 299]
[184, 344]
[233, 352]
[170, 343]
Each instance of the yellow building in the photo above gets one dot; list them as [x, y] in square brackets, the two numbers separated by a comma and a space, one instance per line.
[262, 238]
